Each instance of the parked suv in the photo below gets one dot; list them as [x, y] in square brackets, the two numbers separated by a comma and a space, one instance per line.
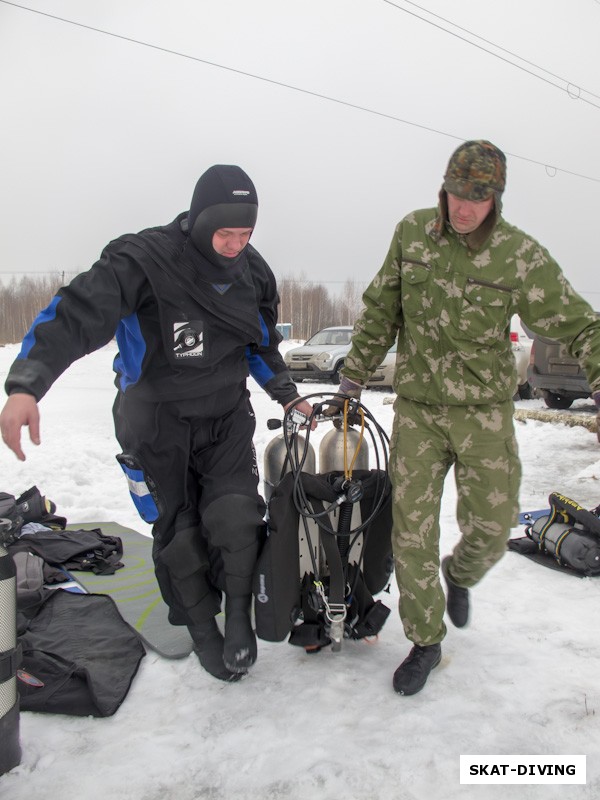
[556, 374]
[322, 356]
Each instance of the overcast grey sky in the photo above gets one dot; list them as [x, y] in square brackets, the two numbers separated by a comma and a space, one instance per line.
[101, 135]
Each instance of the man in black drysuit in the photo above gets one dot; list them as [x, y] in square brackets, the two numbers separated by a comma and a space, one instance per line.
[193, 306]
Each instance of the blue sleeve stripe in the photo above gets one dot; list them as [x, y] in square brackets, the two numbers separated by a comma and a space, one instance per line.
[259, 369]
[47, 315]
[132, 349]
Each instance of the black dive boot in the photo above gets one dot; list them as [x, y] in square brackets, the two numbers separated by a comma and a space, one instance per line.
[208, 646]
[457, 602]
[411, 676]
[240, 641]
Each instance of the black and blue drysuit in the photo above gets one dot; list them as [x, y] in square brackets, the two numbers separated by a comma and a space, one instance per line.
[189, 334]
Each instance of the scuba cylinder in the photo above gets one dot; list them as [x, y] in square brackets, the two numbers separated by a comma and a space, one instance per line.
[339, 446]
[277, 460]
[10, 751]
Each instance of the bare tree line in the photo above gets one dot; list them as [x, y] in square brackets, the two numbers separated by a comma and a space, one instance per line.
[20, 302]
[306, 305]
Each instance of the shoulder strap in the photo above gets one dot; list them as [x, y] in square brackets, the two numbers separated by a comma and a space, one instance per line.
[572, 510]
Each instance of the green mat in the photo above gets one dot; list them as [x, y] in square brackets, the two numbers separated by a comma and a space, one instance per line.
[135, 591]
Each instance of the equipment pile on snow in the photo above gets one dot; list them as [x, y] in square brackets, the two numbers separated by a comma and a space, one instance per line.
[568, 533]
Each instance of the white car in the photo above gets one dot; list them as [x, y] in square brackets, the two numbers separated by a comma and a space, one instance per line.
[322, 356]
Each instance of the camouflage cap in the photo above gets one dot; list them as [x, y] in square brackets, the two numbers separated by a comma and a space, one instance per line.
[476, 171]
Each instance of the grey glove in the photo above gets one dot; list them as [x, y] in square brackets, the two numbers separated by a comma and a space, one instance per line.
[336, 405]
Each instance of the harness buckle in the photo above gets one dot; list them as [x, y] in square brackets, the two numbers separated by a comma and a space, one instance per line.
[336, 615]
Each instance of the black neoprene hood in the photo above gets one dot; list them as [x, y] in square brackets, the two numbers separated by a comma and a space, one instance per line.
[224, 197]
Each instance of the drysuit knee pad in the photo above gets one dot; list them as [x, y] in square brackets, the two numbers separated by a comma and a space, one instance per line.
[233, 521]
[184, 565]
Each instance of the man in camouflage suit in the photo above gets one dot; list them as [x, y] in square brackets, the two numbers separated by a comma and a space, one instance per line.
[453, 278]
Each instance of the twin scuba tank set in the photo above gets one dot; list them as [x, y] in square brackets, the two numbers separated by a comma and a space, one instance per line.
[328, 546]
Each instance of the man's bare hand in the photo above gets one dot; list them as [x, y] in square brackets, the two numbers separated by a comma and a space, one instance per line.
[305, 408]
[20, 410]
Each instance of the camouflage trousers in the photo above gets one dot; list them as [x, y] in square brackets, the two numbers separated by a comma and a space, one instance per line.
[479, 442]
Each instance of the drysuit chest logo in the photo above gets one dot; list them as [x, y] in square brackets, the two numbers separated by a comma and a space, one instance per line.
[188, 339]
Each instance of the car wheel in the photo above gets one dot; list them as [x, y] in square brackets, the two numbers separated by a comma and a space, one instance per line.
[336, 377]
[553, 400]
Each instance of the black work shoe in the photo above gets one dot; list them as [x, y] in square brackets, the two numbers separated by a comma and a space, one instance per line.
[457, 601]
[411, 676]
[239, 652]
[208, 646]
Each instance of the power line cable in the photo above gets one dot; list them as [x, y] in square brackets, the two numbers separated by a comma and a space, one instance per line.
[550, 169]
[569, 85]
[510, 53]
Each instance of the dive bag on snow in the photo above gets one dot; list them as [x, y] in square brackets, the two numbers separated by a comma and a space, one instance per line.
[79, 656]
[569, 533]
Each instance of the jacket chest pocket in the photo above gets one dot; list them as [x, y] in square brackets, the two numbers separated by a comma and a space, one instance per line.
[415, 290]
[486, 308]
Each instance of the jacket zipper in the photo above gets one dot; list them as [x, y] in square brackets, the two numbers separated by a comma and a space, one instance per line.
[414, 261]
[491, 285]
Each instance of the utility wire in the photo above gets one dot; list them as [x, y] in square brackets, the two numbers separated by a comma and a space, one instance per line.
[504, 50]
[568, 88]
[550, 169]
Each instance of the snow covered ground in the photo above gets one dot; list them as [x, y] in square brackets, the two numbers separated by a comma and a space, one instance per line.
[521, 679]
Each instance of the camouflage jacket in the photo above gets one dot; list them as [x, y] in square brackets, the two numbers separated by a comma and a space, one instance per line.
[449, 301]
